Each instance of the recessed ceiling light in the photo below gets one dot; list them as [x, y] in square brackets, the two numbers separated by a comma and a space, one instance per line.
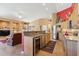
[19, 16]
[44, 4]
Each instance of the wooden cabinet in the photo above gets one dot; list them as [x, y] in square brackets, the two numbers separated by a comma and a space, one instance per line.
[45, 38]
[42, 41]
[15, 40]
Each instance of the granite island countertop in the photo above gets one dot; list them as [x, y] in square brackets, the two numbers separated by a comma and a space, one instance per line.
[72, 38]
[34, 34]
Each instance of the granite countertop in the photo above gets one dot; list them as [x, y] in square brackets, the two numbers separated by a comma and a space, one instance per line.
[73, 38]
[32, 34]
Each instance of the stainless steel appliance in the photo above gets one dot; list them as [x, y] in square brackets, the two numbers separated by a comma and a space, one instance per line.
[36, 45]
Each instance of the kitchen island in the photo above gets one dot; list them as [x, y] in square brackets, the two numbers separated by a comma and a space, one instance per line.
[70, 44]
[70, 39]
[33, 42]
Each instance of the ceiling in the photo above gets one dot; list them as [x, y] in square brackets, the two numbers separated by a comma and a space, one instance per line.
[30, 11]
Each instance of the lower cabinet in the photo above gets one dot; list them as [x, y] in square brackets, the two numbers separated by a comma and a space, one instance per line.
[15, 40]
[42, 41]
[45, 38]
[70, 47]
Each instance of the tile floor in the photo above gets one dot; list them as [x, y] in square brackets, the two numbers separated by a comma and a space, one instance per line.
[16, 50]
[58, 50]
[10, 51]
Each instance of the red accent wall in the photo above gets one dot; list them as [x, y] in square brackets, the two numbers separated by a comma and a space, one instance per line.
[63, 15]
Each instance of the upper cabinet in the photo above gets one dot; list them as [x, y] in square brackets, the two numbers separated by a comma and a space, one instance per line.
[15, 26]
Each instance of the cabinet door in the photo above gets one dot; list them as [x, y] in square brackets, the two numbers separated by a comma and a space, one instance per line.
[46, 36]
[45, 39]
[71, 48]
[42, 44]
